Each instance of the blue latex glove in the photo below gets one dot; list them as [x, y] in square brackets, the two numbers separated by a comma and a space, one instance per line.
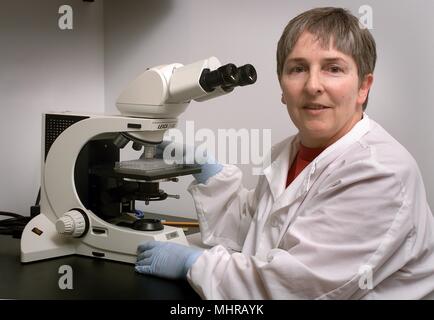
[209, 166]
[166, 259]
[208, 170]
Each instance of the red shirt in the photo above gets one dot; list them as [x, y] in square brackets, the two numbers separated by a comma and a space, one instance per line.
[304, 156]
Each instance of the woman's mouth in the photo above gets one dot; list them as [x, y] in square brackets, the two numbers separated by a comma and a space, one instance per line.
[315, 109]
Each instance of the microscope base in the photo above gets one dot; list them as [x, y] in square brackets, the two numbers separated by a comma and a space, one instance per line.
[40, 240]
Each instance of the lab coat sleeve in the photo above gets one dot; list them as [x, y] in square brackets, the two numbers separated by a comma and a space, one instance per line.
[224, 208]
[358, 219]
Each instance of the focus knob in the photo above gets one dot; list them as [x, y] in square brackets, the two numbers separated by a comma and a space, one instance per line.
[72, 223]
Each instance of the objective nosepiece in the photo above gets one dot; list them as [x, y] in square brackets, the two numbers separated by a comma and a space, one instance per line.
[121, 141]
[137, 146]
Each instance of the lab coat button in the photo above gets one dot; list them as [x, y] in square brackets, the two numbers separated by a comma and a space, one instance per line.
[274, 222]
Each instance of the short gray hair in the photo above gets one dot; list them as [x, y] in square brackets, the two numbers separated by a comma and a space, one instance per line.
[328, 24]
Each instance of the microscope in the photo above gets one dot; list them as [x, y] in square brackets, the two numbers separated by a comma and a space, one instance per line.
[88, 195]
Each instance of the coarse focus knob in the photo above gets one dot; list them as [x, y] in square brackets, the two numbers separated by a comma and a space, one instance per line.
[72, 223]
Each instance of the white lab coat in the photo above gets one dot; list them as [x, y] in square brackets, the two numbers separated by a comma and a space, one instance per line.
[355, 224]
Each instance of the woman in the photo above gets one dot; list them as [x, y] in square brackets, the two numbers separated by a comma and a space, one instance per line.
[340, 213]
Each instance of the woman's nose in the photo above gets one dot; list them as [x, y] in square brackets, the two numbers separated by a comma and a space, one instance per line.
[313, 84]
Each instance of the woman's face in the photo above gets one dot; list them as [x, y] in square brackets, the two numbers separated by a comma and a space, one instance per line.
[322, 92]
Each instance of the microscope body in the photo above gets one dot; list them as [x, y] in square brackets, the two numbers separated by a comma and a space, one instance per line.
[87, 194]
[73, 144]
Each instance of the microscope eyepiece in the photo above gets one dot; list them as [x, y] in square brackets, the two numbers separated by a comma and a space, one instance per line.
[227, 77]
[247, 75]
[229, 74]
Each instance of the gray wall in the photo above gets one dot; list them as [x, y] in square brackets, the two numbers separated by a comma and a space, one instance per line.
[140, 34]
[42, 69]
[45, 69]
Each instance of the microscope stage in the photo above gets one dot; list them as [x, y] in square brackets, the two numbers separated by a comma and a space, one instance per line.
[147, 170]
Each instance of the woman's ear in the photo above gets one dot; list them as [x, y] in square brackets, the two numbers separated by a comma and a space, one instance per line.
[283, 100]
[364, 88]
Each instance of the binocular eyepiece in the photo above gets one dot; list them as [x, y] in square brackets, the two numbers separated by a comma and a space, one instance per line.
[227, 77]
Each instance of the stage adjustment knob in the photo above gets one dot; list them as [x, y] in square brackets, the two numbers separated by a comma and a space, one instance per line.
[72, 223]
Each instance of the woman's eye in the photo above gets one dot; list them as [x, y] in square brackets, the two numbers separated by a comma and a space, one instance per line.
[334, 69]
[297, 69]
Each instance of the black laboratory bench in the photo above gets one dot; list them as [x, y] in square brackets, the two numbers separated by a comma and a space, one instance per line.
[91, 279]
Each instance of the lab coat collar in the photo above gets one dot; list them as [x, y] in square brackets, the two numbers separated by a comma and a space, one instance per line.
[277, 172]
[333, 151]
